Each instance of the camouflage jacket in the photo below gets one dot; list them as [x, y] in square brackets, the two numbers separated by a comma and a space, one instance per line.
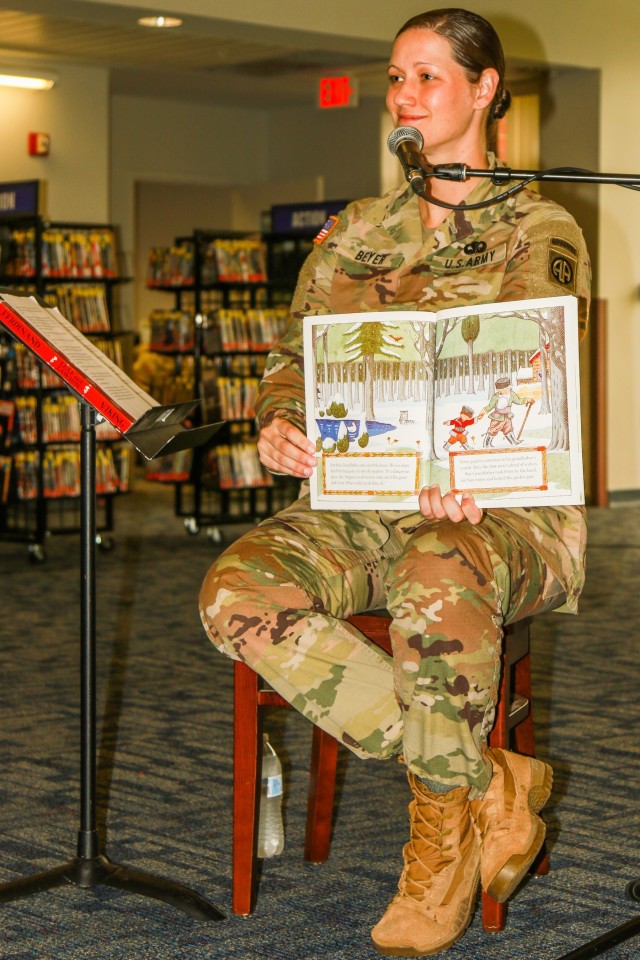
[378, 256]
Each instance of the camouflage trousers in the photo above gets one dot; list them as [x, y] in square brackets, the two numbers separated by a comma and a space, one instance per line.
[278, 596]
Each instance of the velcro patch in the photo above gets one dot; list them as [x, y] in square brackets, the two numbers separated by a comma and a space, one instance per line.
[328, 228]
[563, 267]
[565, 244]
[472, 256]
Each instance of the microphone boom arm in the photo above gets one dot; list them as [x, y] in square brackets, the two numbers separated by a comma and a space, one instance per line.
[460, 171]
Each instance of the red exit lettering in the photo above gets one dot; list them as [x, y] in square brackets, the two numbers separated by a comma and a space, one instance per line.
[337, 92]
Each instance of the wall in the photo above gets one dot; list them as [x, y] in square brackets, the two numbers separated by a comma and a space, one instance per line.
[340, 145]
[178, 145]
[75, 113]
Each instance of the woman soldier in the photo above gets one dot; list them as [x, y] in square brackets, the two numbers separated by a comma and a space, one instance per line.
[451, 575]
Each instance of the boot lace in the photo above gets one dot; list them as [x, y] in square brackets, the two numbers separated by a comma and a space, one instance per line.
[430, 851]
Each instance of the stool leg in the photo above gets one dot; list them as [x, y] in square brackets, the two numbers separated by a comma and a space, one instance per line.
[523, 733]
[494, 914]
[247, 753]
[322, 782]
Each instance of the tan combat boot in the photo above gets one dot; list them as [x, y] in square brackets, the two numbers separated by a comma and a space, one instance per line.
[438, 885]
[511, 832]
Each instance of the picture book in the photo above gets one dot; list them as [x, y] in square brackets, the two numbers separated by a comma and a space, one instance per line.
[482, 399]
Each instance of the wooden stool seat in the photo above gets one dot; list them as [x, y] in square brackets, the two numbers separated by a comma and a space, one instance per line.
[513, 729]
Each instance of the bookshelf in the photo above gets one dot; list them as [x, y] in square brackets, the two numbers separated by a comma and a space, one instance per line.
[72, 266]
[224, 318]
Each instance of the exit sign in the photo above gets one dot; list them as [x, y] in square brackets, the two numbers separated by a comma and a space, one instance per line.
[337, 92]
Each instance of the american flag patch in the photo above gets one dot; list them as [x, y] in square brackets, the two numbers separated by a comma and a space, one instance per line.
[330, 225]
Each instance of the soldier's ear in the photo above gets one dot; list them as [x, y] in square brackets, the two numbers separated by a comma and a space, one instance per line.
[486, 88]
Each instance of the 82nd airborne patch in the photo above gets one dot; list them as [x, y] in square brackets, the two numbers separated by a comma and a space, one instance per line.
[563, 263]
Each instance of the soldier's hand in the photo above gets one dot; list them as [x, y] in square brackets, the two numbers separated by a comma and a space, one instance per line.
[436, 507]
[283, 448]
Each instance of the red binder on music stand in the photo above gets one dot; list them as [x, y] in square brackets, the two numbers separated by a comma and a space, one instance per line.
[151, 428]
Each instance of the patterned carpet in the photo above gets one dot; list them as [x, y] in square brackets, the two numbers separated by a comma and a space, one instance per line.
[164, 766]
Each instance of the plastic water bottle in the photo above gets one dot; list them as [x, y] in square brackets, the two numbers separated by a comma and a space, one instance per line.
[270, 828]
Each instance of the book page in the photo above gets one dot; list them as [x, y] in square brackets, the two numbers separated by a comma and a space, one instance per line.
[369, 403]
[507, 415]
[71, 346]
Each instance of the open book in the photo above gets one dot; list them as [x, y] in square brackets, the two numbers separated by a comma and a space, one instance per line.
[482, 399]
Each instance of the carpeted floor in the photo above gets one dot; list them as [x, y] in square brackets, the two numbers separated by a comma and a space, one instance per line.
[164, 766]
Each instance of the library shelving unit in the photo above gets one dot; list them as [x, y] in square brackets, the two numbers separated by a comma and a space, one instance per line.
[223, 322]
[72, 266]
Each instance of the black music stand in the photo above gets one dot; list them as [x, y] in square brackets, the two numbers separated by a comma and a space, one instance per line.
[90, 867]
[620, 933]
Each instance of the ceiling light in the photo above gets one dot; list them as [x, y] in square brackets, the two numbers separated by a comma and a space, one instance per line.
[27, 79]
[160, 22]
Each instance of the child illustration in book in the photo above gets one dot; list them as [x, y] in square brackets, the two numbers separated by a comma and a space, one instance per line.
[500, 413]
[459, 428]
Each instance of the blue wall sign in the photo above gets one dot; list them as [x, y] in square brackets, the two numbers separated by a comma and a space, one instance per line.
[303, 218]
[20, 198]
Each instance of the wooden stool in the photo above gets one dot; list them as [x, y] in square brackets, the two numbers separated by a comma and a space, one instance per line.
[513, 729]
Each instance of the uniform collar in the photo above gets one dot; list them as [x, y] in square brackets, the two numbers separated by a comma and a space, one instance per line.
[399, 207]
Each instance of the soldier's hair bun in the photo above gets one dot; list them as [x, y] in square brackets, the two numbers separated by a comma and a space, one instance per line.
[500, 105]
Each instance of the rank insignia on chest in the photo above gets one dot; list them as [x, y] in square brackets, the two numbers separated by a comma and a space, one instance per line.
[328, 228]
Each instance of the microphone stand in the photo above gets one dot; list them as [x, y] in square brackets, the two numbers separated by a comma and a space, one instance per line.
[460, 172]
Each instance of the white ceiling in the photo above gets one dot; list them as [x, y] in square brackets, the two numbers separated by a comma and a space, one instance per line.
[204, 60]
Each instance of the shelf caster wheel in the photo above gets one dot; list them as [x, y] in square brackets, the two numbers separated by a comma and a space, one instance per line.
[215, 534]
[36, 553]
[191, 526]
[104, 543]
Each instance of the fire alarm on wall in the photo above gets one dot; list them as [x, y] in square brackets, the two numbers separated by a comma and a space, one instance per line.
[39, 144]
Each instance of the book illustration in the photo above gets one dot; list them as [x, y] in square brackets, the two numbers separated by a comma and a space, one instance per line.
[481, 399]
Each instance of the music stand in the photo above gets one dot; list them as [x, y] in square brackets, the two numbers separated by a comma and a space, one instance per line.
[617, 935]
[157, 430]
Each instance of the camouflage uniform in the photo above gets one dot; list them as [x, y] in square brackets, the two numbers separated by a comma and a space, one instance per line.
[277, 597]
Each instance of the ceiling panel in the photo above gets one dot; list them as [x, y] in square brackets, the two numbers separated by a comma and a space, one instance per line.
[191, 62]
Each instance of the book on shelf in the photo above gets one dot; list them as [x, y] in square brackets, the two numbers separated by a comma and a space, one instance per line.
[7, 419]
[61, 472]
[253, 330]
[171, 331]
[234, 261]
[95, 379]
[85, 305]
[483, 399]
[175, 468]
[18, 254]
[30, 373]
[79, 253]
[5, 478]
[26, 419]
[171, 266]
[238, 465]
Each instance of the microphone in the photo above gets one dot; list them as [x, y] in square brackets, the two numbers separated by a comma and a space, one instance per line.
[406, 143]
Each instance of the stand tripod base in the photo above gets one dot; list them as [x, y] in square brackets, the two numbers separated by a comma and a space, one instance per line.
[89, 872]
[629, 929]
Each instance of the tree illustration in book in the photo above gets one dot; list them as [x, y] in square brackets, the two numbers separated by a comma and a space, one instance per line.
[482, 399]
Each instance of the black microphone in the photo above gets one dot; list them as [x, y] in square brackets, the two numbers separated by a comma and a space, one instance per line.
[406, 144]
